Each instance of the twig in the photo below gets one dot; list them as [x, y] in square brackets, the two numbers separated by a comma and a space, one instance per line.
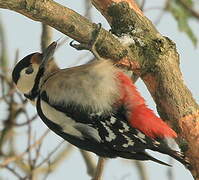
[190, 9]
[48, 171]
[50, 154]
[88, 8]
[8, 123]
[14, 172]
[58, 159]
[159, 17]
[142, 5]
[100, 169]
[46, 36]
[142, 170]
[25, 123]
[91, 166]
[16, 157]
[29, 135]
[3, 50]
[170, 172]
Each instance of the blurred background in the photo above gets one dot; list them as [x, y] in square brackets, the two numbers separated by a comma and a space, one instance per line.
[28, 150]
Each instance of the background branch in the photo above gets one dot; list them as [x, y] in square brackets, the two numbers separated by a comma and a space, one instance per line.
[142, 170]
[91, 165]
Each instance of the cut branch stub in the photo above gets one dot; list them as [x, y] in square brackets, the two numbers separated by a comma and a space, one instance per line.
[103, 5]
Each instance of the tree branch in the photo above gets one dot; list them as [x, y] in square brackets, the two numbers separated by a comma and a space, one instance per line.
[70, 23]
[104, 5]
[160, 72]
[153, 56]
[46, 36]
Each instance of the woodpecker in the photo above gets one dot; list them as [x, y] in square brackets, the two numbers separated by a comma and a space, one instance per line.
[94, 106]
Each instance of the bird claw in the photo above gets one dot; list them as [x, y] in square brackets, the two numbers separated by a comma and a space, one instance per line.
[95, 34]
[91, 45]
[80, 46]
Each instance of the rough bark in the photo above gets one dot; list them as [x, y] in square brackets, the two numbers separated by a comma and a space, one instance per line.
[153, 56]
[159, 62]
[72, 24]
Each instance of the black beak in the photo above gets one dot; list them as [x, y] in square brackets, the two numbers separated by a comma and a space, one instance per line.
[48, 53]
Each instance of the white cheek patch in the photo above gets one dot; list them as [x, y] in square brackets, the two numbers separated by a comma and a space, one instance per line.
[25, 84]
[26, 81]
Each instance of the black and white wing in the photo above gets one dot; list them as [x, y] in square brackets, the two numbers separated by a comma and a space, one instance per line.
[106, 134]
[73, 124]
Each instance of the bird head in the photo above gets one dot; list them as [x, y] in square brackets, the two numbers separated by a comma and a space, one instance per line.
[28, 71]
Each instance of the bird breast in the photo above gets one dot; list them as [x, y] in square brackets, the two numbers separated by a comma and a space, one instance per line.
[93, 85]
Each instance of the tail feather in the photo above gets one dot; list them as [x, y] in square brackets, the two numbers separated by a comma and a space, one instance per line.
[175, 154]
[155, 160]
[145, 120]
[142, 156]
[179, 156]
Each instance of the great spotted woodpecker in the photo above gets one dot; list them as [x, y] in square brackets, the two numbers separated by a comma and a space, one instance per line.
[95, 107]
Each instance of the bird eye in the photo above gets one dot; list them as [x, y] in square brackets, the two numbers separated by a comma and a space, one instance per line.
[29, 70]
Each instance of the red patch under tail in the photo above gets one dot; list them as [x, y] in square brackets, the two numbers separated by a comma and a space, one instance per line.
[139, 115]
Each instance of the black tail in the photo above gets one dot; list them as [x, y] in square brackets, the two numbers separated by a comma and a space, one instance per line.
[142, 156]
[165, 149]
[149, 157]
[179, 156]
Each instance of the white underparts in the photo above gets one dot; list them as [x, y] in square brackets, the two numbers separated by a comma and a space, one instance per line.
[93, 85]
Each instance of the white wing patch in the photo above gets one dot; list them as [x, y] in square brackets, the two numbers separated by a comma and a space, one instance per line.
[112, 120]
[129, 141]
[125, 126]
[67, 124]
[26, 82]
[111, 135]
[140, 136]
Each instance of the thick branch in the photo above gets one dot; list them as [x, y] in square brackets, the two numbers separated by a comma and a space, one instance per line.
[160, 71]
[103, 6]
[70, 23]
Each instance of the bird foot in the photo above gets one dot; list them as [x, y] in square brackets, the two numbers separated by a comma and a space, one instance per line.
[91, 45]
